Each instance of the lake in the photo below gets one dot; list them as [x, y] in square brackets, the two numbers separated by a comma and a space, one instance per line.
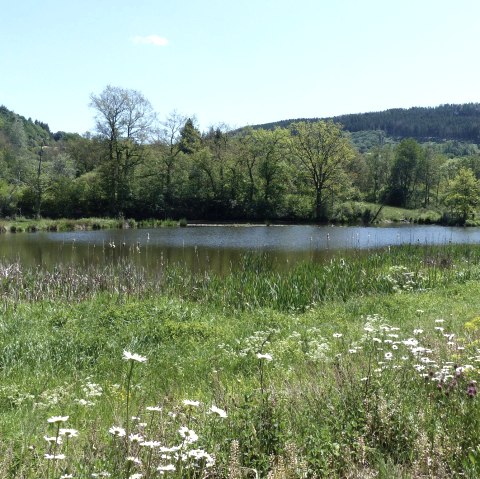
[216, 248]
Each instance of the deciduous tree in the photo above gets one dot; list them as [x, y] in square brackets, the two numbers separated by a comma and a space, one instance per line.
[463, 195]
[322, 152]
[124, 120]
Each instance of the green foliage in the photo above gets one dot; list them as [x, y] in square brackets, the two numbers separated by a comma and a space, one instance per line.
[404, 173]
[463, 195]
[452, 122]
[322, 153]
[249, 174]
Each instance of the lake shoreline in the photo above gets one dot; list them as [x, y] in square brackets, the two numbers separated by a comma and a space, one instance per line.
[92, 224]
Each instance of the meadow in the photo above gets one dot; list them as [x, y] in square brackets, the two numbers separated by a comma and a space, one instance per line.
[365, 366]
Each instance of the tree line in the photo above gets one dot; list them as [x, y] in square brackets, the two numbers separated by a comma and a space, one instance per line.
[136, 166]
[454, 122]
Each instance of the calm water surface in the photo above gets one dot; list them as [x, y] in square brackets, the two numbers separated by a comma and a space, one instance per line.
[217, 248]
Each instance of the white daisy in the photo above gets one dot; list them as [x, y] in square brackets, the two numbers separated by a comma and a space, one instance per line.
[128, 356]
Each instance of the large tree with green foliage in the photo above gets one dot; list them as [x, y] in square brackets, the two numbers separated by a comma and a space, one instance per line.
[322, 152]
[463, 195]
[405, 173]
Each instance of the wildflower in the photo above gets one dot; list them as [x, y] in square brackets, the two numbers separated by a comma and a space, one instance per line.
[117, 431]
[134, 460]
[84, 402]
[133, 357]
[417, 331]
[439, 320]
[200, 454]
[189, 402]
[55, 419]
[135, 438]
[53, 439]
[337, 335]
[66, 476]
[219, 411]
[170, 449]
[267, 357]
[92, 390]
[54, 457]
[154, 408]
[188, 435]
[136, 476]
[388, 356]
[166, 468]
[68, 432]
[472, 389]
[101, 474]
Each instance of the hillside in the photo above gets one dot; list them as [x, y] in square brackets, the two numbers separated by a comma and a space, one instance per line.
[445, 122]
[18, 132]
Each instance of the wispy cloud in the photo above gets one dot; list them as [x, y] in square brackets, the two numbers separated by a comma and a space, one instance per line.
[156, 40]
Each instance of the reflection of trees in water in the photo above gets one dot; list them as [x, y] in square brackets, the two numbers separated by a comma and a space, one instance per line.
[155, 249]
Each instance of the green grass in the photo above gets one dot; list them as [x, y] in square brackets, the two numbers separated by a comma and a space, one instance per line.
[20, 225]
[343, 396]
[393, 214]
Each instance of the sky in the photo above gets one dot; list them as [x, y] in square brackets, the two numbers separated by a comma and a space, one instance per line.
[237, 62]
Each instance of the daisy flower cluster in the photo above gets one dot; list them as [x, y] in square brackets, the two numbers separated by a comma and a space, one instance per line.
[434, 353]
[158, 441]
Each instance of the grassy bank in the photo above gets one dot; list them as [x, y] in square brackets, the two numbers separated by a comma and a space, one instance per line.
[366, 213]
[364, 367]
[20, 225]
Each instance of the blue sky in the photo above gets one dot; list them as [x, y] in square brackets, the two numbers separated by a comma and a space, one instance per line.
[237, 62]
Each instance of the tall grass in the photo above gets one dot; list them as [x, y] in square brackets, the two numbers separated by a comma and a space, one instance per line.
[365, 366]
[20, 225]
[255, 281]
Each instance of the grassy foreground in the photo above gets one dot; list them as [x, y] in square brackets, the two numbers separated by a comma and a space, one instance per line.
[363, 367]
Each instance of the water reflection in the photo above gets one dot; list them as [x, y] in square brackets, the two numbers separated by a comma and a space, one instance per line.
[215, 248]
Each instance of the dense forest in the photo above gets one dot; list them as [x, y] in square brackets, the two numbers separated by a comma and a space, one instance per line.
[134, 165]
[445, 122]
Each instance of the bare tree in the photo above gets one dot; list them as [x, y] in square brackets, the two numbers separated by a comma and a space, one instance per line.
[124, 120]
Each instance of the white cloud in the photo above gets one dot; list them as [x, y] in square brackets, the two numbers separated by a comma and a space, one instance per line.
[150, 40]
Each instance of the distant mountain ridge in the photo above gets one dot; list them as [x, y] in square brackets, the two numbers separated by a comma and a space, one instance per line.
[445, 122]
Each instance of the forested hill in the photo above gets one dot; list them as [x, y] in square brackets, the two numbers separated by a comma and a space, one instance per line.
[445, 122]
[17, 131]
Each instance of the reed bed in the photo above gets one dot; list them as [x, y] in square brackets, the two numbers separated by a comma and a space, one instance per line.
[20, 225]
[255, 281]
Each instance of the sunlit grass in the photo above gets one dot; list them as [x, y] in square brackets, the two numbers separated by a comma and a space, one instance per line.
[255, 373]
[20, 225]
